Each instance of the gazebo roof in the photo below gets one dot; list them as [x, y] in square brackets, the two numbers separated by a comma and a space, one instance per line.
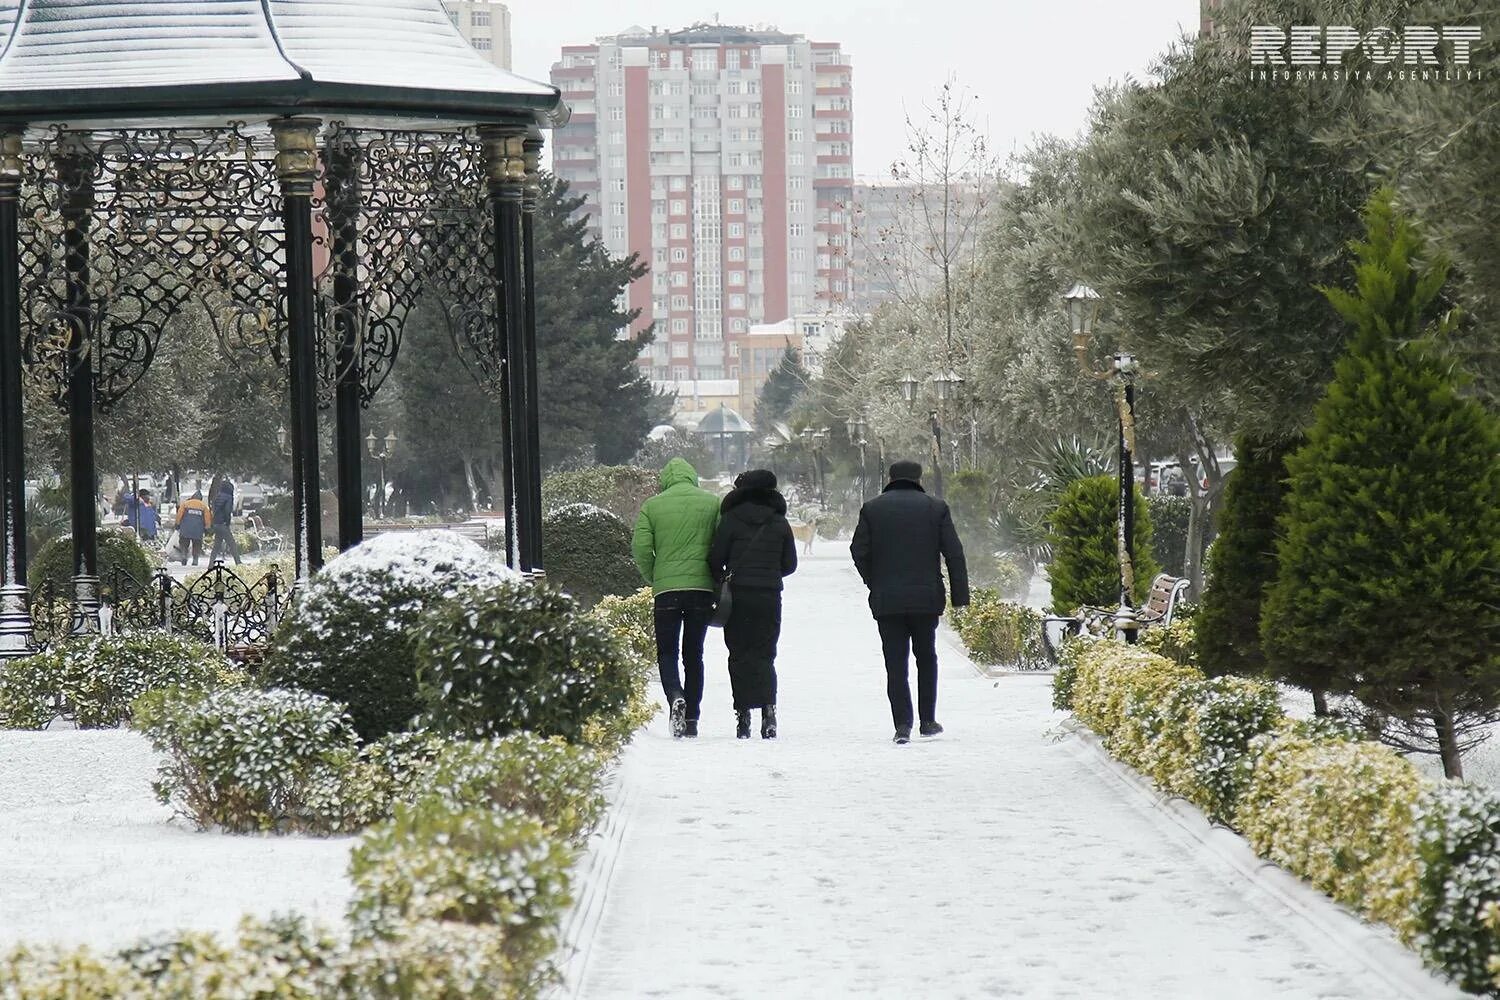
[723, 420]
[112, 60]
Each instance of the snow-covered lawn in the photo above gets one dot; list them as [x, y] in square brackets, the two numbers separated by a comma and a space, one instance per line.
[87, 854]
[995, 861]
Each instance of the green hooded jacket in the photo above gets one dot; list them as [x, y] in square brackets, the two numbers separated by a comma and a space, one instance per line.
[674, 531]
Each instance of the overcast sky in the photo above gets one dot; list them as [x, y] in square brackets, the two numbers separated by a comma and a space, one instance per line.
[1032, 63]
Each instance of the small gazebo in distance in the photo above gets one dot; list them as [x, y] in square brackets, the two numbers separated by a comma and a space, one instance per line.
[728, 434]
[301, 172]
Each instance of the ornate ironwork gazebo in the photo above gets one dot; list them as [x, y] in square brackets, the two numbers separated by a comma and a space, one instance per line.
[301, 171]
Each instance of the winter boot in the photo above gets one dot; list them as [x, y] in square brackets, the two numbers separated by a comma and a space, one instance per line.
[679, 716]
[903, 735]
[690, 729]
[931, 728]
[742, 724]
[768, 722]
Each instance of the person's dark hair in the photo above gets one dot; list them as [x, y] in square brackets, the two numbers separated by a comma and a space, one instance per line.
[907, 470]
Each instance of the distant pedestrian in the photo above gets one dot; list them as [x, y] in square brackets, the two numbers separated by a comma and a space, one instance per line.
[902, 539]
[221, 507]
[142, 515]
[193, 521]
[670, 546]
[755, 549]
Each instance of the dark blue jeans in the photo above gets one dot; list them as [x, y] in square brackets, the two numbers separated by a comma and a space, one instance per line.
[682, 618]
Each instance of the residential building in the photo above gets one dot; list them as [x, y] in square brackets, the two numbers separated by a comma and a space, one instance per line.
[895, 230]
[724, 157]
[486, 26]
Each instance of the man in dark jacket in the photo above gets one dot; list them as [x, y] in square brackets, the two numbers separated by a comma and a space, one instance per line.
[753, 546]
[903, 537]
[221, 506]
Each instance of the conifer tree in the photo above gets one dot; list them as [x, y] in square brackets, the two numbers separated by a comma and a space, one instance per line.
[1085, 567]
[1388, 582]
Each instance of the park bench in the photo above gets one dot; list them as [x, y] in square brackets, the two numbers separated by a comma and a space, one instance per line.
[1161, 604]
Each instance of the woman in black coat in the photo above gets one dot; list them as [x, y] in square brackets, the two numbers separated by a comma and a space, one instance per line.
[755, 548]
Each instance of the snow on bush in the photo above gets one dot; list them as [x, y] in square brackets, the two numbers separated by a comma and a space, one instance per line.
[392, 769]
[1458, 909]
[1227, 714]
[630, 622]
[249, 760]
[999, 632]
[550, 779]
[515, 657]
[504, 871]
[349, 635]
[93, 679]
[588, 553]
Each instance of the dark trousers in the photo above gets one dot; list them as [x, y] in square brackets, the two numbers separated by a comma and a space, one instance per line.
[224, 541]
[190, 546]
[753, 629]
[682, 624]
[917, 635]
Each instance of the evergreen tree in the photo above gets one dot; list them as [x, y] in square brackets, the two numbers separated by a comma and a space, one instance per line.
[782, 390]
[1242, 563]
[1387, 583]
[1085, 567]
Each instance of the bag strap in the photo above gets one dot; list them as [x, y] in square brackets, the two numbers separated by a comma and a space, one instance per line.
[753, 539]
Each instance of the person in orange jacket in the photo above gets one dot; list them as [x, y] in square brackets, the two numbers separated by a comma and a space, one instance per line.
[193, 521]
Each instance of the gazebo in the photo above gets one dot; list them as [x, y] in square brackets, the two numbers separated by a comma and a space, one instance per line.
[301, 171]
[730, 430]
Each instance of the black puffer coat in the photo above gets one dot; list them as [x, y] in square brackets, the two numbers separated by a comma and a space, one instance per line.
[753, 513]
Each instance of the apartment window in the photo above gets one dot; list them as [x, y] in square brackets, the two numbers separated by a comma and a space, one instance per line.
[736, 206]
[617, 207]
[679, 231]
[679, 303]
[799, 255]
[659, 304]
[658, 232]
[736, 277]
[734, 87]
[656, 90]
[679, 255]
[617, 138]
[796, 183]
[679, 206]
[753, 182]
[736, 230]
[796, 229]
[679, 326]
[480, 18]
[736, 301]
[679, 183]
[799, 302]
[736, 159]
[795, 111]
[659, 207]
[618, 184]
[734, 182]
[680, 350]
[676, 89]
[754, 206]
[794, 86]
[798, 279]
[795, 159]
[732, 59]
[616, 114]
[752, 86]
[824, 261]
[679, 279]
[617, 90]
[754, 111]
[737, 325]
[755, 58]
[680, 373]
[617, 233]
[659, 256]
[482, 44]
[736, 253]
[617, 163]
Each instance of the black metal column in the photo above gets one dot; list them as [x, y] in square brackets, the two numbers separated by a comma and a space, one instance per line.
[76, 168]
[505, 168]
[296, 168]
[1124, 367]
[341, 158]
[533, 410]
[15, 611]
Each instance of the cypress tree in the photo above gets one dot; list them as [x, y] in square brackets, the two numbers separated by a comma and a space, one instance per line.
[1242, 563]
[1085, 567]
[1388, 580]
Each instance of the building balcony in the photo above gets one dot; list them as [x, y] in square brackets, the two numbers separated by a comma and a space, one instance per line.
[832, 113]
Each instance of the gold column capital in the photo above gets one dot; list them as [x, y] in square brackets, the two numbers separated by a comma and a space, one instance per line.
[532, 154]
[10, 161]
[504, 158]
[296, 153]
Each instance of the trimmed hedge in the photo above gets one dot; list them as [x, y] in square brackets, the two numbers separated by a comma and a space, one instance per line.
[998, 632]
[118, 551]
[619, 489]
[1084, 530]
[1352, 817]
[588, 553]
[630, 622]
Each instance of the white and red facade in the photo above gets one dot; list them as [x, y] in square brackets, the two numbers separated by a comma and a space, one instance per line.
[724, 157]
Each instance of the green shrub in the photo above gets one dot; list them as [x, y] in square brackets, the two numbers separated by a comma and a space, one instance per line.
[1085, 567]
[441, 960]
[1178, 642]
[503, 871]
[119, 552]
[998, 632]
[93, 679]
[1458, 838]
[619, 489]
[349, 635]
[1065, 680]
[394, 768]
[249, 760]
[630, 622]
[1228, 713]
[556, 782]
[1341, 815]
[516, 657]
[30, 692]
[279, 957]
[588, 553]
[1169, 530]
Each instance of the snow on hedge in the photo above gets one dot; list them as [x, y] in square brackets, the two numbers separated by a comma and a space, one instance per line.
[414, 557]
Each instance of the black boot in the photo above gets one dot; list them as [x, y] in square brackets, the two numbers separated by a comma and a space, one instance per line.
[679, 716]
[690, 729]
[742, 724]
[768, 722]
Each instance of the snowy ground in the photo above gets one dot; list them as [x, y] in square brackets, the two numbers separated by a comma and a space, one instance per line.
[87, 855]
[991, 862]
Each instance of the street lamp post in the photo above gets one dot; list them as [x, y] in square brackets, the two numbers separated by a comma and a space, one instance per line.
[856, 425]
[1082, 305]
[381, 452]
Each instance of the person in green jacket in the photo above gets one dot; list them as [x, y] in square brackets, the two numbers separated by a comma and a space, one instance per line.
[670, 546]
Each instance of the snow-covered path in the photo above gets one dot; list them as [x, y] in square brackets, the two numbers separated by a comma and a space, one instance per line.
[992, 862]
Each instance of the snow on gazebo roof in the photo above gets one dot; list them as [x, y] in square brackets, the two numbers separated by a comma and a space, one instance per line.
[108, 60]
[723, 420]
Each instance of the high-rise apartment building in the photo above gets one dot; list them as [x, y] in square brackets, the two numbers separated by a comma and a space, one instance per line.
[724, 157]
[486, 26]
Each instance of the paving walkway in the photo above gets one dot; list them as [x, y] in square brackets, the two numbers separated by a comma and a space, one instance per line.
[995, 861]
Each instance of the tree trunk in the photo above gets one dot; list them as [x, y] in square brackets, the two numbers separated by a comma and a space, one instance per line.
[1320, 703]
[1447, 731]
[473, 483]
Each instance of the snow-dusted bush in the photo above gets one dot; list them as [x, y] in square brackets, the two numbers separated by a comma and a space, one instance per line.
[1178, 642]
[1127, 696]
[550, 779]
[630, 621]
[1340, 814]
[995, 631]
[441, 960]
[619, 489]
[249, 760]
[515, 657]
[588, 553]
[30, 692]
[1227, 714]
[1458, 833]
[349, 635]
[1065, 679]
[504, 871]
[394, 768]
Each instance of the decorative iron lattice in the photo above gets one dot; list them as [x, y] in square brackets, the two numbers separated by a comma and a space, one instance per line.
[405, 212]
[167, 216]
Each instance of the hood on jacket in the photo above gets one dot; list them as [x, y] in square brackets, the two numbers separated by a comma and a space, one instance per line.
[758, 503]
[678, 470]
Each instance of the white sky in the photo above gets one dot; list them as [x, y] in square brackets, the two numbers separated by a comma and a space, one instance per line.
[1032, 63]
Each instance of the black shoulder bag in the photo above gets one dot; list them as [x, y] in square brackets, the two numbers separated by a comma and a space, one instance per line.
[724, 607]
